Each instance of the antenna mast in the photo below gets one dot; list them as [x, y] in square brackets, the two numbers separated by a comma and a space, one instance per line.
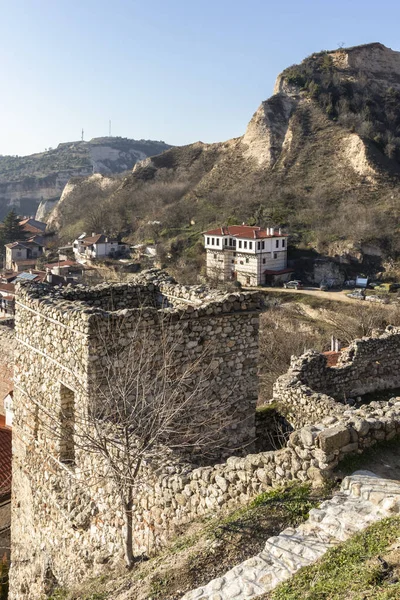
[109, 128]
[82, 135]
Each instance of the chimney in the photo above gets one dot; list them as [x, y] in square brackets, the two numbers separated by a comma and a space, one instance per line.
[93, 234]
[280, 231]
[49, 276]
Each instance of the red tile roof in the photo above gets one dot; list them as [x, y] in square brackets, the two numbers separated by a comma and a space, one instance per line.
[33, 226]
[7, 287]
[63, 263]
[5, 462]
[280, 272]
[244, 231]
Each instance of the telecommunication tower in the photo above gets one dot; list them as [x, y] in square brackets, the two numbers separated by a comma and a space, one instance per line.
[82, 135]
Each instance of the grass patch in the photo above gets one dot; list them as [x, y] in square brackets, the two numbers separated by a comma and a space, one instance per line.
[354, 570]
[206, 549]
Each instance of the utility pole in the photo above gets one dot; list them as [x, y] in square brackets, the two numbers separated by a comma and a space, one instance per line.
[82, 135]
[109, 128]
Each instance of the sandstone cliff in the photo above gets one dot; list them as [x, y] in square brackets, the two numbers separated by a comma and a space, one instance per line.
[321, 157]
[29, 181]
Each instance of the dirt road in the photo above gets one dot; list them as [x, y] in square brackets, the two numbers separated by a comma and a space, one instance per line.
[339, 295]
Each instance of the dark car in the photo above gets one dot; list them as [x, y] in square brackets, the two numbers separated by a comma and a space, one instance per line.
[293, 285]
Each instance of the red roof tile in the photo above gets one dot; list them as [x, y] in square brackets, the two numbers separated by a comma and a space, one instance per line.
[244, 231]
[63, 263]
[280, 272]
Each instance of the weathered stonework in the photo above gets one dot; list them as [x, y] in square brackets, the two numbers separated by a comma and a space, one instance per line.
[311, 390]
[65, 522]
[66, 519]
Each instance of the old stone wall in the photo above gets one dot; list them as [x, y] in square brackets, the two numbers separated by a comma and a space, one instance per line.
[7, 347]
[66, 518]
[311, 390]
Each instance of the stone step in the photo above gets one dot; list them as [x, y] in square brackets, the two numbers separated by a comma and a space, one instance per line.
[365, 485]
[355, 507]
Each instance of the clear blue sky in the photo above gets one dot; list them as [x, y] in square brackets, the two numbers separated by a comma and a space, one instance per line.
[176, 70]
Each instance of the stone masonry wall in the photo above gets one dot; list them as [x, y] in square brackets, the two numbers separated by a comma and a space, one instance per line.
[311, 390]
[66, 520]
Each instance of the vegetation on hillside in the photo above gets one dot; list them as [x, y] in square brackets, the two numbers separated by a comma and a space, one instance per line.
[354, 102]
[72, 156]
[313, 191]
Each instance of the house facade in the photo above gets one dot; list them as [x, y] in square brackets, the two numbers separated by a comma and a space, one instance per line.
[250, 255]
[97, 246]
[23, 254]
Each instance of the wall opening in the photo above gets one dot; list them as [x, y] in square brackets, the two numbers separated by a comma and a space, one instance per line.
[67, 425]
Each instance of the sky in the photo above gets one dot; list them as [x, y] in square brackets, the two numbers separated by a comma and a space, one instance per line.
[174, 70]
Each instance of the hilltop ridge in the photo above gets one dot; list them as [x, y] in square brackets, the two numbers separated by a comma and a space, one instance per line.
[27, 181]
[320, 157]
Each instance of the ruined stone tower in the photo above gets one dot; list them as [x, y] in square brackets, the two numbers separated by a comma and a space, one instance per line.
[62, 526]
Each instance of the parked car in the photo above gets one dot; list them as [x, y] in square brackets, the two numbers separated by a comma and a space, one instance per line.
[293, 285]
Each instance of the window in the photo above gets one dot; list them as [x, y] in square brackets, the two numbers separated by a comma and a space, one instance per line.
[240, 243]
[277, 244]
[247, 260]
[263, 245]
[264, 261]
[250, 245]
[234, 254]
[230, 241]
[19, 253]
[232, 261]
[208, 240]
[241, 262]
[244, 244]
[226, 241]
[215, 256]
[258, 245]
[275, 255]
[248, 280]
[283, 243]
[212, 241]
[234, 243]
[67, 420]
[217, 241]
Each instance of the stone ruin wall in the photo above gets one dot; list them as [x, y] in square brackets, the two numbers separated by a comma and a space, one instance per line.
[64, 529]
[311, 390]
[61, 524]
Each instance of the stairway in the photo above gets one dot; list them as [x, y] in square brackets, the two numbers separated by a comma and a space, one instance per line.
[363, 499]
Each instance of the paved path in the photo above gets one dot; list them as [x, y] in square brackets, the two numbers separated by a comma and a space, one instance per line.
[363, 499]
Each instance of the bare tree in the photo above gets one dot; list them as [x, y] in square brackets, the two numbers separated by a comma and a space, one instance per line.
[142, 402]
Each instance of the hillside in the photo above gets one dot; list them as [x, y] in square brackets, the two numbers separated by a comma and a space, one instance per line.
[26, 181]
[320, 157]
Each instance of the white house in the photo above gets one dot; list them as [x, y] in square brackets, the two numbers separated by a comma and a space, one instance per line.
[250, 255]
[98, 245]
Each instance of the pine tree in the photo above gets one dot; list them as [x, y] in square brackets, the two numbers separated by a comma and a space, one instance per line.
[10, 230]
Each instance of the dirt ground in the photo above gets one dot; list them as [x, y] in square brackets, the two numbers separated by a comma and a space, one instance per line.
[383, 460]
[338, 295]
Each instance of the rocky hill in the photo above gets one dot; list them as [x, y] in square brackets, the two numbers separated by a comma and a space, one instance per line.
[27, 181]
[320, 157]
